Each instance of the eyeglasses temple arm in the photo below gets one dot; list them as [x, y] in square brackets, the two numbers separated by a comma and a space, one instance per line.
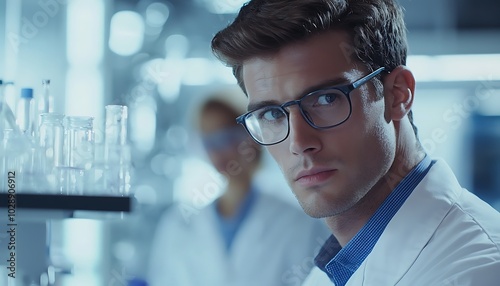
[365, 79]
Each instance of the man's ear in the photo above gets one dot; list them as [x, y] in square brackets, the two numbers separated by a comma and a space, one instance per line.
[399, 88]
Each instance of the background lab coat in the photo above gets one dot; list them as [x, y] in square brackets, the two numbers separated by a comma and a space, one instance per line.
[275, 245]
[443, 235]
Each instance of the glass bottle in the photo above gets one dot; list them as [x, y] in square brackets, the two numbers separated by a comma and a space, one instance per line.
[45, 102]
[25, 111]
[16, 148]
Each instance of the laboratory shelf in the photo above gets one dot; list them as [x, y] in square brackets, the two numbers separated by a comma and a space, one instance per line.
[69, 202]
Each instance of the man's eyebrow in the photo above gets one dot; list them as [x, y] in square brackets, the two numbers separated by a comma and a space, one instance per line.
[325, 84]
[257, 105]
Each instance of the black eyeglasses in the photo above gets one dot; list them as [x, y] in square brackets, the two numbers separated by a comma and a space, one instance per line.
[322, 109]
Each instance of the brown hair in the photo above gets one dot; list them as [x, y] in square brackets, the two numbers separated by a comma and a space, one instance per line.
[263, 27]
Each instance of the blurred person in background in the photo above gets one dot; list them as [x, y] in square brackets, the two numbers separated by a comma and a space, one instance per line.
[246, 236]
[330, 96]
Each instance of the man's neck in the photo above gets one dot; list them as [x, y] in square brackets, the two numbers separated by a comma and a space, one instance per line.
[346, 225]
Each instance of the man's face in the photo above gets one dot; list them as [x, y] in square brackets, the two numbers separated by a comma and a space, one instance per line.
[328, 170]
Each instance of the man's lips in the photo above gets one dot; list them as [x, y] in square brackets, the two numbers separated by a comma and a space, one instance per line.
[314, 176]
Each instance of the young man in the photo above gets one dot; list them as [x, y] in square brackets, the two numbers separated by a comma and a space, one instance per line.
[330, 97]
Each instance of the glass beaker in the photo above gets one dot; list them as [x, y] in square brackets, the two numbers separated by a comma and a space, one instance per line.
[51, 142]
[79, 142]
[74, 177]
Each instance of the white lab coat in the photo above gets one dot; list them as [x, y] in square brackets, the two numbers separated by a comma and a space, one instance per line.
[442, 235]
[275, 245]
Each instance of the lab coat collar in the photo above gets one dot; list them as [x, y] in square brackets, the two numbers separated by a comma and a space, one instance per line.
[411, 228]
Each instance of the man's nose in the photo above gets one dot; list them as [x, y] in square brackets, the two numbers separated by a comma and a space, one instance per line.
[303, 137]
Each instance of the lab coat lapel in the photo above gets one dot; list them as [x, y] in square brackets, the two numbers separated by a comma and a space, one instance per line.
[215, 261]
[410, 229]
[317, 278]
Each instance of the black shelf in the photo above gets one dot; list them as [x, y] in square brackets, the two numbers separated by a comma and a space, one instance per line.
[69, 202]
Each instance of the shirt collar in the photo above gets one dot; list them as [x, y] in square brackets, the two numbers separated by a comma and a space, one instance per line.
[340, 263]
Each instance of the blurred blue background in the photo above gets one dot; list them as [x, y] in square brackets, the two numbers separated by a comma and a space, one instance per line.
[154, 56]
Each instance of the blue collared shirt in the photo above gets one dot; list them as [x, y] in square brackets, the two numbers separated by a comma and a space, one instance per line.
[230, 226]
[341, 263]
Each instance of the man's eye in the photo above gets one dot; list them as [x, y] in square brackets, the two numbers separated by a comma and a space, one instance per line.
[327, 99]
[271, 114]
